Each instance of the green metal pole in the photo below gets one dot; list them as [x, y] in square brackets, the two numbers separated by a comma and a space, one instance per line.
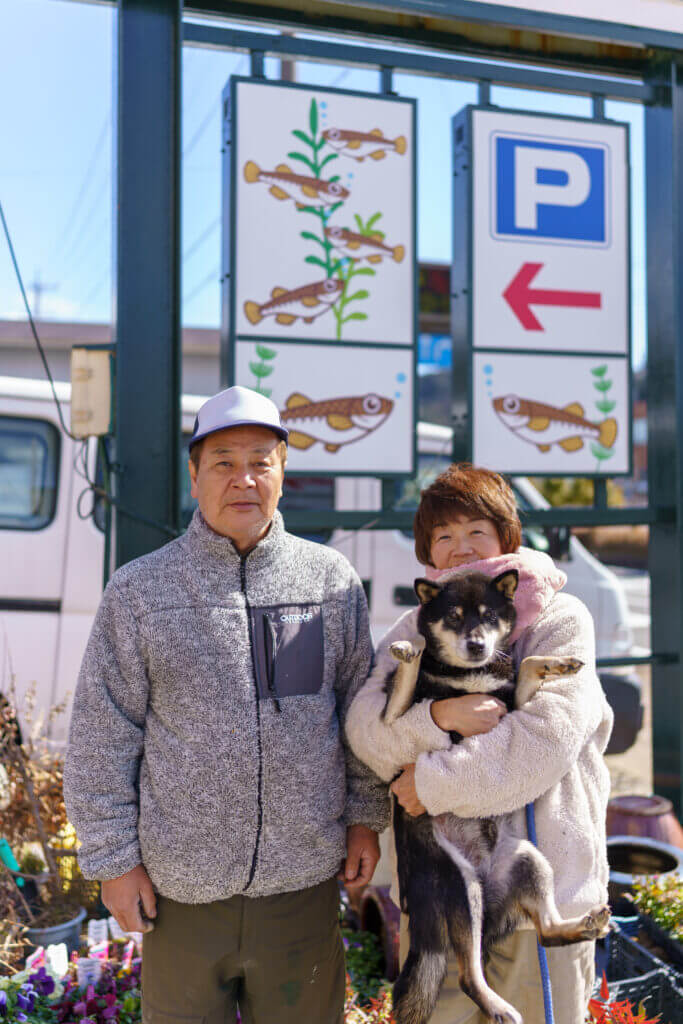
[664, 219]
[148, 274]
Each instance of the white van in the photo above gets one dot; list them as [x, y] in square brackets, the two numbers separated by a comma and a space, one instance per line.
[52, 542]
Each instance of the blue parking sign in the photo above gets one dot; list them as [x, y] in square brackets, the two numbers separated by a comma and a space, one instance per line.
[549, 190]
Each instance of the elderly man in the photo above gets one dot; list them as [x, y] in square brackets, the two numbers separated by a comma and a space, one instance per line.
[207, 774]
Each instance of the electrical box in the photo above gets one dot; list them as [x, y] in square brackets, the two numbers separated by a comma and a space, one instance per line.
[92, 390]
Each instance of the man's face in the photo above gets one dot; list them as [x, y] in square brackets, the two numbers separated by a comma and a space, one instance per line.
[238, 483]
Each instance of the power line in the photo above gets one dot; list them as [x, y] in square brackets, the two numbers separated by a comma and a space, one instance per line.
[214, 109]
[97, 287]
[206, 233]
[213, 276]
[33, 326]
[85, 184]
[86, 228]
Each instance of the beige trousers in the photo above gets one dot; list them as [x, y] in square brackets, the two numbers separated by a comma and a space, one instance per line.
[513, 972]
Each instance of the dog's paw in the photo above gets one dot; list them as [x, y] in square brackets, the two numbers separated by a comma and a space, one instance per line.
[595, 925]
[555, 667]
[404, 650]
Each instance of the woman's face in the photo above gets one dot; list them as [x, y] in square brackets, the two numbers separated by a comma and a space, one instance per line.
[463, 540]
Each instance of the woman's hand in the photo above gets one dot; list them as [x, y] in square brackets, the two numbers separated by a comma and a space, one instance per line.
[405, 791]
[469, 715]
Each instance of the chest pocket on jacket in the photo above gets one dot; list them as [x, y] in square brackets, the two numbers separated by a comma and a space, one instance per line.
[288, 647]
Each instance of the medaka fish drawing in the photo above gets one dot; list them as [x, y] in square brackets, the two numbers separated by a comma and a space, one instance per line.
[304, 190]
[358, 145]
[305, 303]
[362, 247]
[545, 425]
[334, 422]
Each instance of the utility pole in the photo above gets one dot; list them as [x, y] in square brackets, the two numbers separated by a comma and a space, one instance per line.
[37, 288]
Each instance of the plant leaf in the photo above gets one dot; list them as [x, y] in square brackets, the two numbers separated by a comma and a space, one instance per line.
[365, 271]
[265, 353]
[303, 136]
[599, 371]
[373, 220]
[304, 160]
[267, 392]
[261, 369]
[354, 316]
[313, 118]
[335, 177]
[604, 406]
[601, 453]
[361, 294]
[602, 385]
[330, 156]
[335, 207]
[310, 237]
[335, 267]
[316, 261]
[359, 222]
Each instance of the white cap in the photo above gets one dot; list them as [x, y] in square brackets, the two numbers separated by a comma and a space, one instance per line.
[237, 407]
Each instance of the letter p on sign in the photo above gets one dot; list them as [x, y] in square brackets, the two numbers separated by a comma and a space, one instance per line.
[549, 190]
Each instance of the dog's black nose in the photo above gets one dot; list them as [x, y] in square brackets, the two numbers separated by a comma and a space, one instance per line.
[475, 648]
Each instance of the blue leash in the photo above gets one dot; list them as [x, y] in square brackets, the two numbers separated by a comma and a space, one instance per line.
[542, 956]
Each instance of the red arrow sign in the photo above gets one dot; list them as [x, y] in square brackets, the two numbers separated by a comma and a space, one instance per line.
[519, 296]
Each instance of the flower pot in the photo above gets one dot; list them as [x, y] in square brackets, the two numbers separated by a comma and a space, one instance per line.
[380, 915]
[651, 816]
[631, 857]
[666, 942]
[68, 932]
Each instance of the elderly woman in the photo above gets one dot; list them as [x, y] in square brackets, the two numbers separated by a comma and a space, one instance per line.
[549, 752]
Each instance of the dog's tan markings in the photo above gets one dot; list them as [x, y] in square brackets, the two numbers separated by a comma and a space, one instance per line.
[507, 583]
[482, 610]
[535, 670]
[408, 655]
[426, 590]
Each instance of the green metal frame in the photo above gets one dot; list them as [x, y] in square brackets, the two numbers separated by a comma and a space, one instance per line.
[229, 336]
[463, 296]
[610, 61]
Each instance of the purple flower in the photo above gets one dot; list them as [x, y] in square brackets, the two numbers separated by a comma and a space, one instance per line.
[3, 1003]
[20, 1016]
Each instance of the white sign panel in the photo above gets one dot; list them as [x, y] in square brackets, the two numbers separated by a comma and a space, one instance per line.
[551, 414]
[545, 276]
[355, 399]
[324, 215]
[322, 270]
[550, 234]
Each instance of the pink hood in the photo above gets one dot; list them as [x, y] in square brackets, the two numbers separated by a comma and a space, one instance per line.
[539, 581]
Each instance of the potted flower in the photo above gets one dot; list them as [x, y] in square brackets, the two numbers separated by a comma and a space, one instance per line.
[659, 900]
[42, 898]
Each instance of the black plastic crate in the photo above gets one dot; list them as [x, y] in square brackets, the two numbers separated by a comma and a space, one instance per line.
[637, 975]
[672, 948]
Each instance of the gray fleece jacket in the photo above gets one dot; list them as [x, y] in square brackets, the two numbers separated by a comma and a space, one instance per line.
[206, 735]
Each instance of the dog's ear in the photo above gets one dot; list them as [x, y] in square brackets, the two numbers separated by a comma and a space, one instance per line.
[426, 590]
[506, 583]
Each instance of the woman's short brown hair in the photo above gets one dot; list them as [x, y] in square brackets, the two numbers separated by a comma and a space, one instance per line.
[465, 490]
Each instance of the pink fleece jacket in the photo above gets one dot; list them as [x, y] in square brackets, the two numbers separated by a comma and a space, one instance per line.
[539, 581]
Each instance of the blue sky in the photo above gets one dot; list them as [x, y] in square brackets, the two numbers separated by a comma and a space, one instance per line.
[57, 113]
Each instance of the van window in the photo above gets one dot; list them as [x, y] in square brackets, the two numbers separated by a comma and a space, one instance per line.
[29, 473]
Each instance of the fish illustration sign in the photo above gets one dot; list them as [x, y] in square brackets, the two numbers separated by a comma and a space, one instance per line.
[542, 285]
[319, 269]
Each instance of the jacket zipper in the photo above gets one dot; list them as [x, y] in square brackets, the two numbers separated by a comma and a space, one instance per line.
[259, 821]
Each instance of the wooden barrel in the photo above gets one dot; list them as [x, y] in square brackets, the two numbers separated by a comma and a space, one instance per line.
[648, 816]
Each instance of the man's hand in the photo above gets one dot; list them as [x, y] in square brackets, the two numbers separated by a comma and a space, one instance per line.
[362, 854]
[122, 897]
[406, 793]
[469, 715]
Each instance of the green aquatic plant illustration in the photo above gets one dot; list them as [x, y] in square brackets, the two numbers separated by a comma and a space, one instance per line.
[343, 269]
[263, 368]
[604, 405]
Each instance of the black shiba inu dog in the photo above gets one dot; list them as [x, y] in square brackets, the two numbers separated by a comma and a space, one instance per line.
[467, 883]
